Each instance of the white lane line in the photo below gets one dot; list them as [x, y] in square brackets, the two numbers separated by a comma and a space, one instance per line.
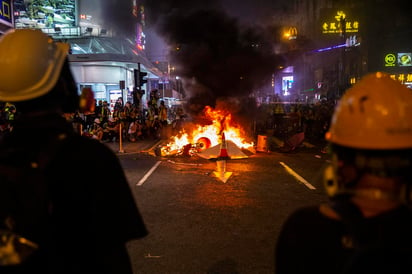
[153, 146]
[178, 163]
[141, 182]
[297, 176]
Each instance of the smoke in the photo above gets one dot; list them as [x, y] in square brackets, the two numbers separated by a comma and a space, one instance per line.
[117, 15]
[217, 57]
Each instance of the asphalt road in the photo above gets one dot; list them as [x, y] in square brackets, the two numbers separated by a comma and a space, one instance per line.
[200, 224]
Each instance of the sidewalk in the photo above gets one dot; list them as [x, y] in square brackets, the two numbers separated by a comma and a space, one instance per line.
[133, 147]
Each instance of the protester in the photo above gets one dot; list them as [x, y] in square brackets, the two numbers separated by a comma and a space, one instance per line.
[163, 115]
[92, 212]
[96, 131]
[102, 111]
[366, 227]
[118, 108]
[112, 130]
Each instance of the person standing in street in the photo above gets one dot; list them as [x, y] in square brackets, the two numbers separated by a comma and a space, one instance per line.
[366, 227]
[91, 210]
[163, 115]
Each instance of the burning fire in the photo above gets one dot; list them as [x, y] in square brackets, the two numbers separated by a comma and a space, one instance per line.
[203, 137]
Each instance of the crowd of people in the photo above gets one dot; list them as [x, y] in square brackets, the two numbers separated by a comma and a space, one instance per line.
[285, 119]
[124, 120]
[105, 124]
[160, 121]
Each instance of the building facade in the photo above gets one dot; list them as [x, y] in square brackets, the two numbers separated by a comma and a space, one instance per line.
[339, 41]
[101, 58]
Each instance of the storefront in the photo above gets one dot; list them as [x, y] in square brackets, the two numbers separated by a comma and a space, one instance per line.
[107, 65]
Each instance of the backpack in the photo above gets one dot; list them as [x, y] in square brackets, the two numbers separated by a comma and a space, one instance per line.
[25, 200]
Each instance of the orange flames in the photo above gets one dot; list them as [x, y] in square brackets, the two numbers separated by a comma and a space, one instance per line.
[210, 135]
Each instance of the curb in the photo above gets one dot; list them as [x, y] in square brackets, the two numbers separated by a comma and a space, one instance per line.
[133, 147]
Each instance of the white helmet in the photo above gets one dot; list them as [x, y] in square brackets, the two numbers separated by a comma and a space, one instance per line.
[31, 64]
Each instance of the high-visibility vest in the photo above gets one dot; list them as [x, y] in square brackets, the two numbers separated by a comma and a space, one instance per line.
[279, 109]
[163, 113]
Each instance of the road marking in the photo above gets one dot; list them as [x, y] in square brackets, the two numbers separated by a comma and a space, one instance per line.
[151, 256]
[141, 182]
[153, 146]
[297, 176]
[178, 163]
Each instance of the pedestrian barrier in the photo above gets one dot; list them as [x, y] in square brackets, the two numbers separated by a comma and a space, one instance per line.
[121, 150]
[262, 143]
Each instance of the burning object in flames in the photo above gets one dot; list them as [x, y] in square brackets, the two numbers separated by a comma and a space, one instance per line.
[205, 140]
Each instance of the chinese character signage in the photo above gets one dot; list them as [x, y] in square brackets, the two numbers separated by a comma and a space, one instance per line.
[339, 23]
[6, 13]
[404, 78]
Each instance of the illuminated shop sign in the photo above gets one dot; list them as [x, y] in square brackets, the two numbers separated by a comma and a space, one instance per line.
[404, 78]
[290, 33]
[45, 14]
[339, 23]
[139, 12]
[390, 60]
[287, 83]
[400, 59]
[404, 59]
[5, 12]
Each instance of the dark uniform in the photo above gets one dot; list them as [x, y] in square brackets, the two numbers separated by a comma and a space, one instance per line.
[93, 211]
[366, 226]
[311, 242]
[90, 212]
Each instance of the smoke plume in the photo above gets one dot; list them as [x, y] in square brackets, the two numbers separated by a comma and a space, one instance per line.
[117, 15]
[217, 57]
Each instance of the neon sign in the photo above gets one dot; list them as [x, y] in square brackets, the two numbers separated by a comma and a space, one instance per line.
[390, 60]
[400, 59]
[139, 12]
[405, 59]
[402, 77]
[290, 33]
[339, 24]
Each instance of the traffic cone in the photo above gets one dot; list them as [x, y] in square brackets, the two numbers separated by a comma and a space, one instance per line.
[221, 172]
[223, 149]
